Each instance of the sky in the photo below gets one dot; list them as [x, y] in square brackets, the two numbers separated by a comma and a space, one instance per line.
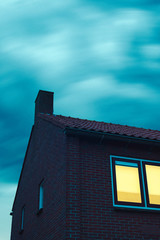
[100, 58]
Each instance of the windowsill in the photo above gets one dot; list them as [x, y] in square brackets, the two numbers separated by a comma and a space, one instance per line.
[40, 211]
[135, 208]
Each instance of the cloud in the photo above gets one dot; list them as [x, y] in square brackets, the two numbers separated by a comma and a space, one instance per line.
[151, 54]
[39, 41]
[101, 87]
[141, 4]
[113, 36]
[151, 51]
[86, 53]
[7, 189]
[7, 192]
[53, 44]
[86, 93]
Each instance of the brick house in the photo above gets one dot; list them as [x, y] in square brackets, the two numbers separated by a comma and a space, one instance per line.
[87, 180]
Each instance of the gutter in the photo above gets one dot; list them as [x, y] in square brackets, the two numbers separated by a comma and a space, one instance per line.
[90, 133]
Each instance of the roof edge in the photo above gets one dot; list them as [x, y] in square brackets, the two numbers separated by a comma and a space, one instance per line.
[70, 130]
[51, 120]
[25, 157]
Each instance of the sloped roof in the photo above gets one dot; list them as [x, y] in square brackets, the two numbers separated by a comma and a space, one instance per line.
[84, 124]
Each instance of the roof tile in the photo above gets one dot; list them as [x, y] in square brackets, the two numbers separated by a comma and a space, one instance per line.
[102, 127]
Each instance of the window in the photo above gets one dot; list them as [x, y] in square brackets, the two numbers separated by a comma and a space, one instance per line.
[41, 193]
[135, 183]
[22, 219]
[152, 184]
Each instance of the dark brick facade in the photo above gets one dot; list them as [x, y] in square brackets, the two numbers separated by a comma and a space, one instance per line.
[77, 188]
[45, 159]
[90, 209]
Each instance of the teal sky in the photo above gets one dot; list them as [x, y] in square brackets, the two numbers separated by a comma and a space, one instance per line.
[101, 58]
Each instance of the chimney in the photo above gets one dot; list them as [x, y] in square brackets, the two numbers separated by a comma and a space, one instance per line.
[44, 103]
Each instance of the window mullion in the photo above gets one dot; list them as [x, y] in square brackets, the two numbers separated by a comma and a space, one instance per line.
[144, 192]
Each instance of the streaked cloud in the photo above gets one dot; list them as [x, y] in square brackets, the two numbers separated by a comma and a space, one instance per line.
[7, 192]
[84, 52]
[87, 92]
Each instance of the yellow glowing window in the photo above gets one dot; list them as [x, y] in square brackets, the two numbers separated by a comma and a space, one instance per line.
[153, 183]
[135, 183]
[127, 182]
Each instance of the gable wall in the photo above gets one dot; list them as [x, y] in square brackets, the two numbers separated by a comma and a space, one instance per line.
[45, 160]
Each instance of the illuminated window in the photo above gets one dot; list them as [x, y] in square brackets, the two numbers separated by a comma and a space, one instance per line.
[135, 183]
[41, 195]
[152, 175]
[127, 182]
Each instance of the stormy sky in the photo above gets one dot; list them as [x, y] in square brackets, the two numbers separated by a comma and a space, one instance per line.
[101, 58]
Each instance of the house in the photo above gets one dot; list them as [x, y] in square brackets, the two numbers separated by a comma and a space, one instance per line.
[87, 180]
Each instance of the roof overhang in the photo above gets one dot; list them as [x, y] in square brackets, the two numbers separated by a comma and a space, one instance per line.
[107, 135]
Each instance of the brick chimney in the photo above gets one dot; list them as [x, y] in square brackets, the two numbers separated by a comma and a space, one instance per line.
[44, 103]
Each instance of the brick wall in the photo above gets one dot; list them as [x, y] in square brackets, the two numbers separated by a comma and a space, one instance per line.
[77, 189]
[90, 213]
[45, 160]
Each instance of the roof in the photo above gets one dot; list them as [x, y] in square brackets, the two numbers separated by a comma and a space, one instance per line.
[84, 124]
